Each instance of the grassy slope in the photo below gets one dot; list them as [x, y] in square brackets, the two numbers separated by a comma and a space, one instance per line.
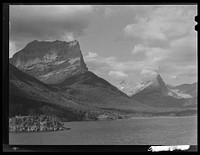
[28, 95]
[96, 91]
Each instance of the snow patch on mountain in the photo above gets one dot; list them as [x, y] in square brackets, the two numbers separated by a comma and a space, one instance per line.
[180, 94]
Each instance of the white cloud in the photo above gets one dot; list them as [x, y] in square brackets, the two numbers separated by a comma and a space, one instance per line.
[117, 74]
[106, 64]
[148, 74]
[90, 56]
[69, 36]
[12, 48]
[139, 48]
[174, 77]
[165, 23]
[144, 30]
[166, 39]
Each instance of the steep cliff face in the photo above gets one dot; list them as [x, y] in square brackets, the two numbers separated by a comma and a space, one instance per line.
[50, 62]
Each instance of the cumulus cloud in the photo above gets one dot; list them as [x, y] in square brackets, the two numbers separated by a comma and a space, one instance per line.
[90, 56]
[165, 38]
[148, 74]
[68, 36]
[163, 24]
[141, 31]
[112, 63]
[139, 48]
[174, 77]
[12, 48]
[117, 74]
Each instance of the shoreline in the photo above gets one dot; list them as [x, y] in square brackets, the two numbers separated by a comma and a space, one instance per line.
[131, 118]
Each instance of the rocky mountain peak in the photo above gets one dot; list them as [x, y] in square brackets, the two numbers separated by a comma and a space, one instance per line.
[154, 84]
[158, 81]
[50, 62]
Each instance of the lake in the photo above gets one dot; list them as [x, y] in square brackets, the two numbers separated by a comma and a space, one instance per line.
[137, 131]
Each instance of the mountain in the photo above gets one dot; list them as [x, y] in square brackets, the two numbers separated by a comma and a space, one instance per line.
[155, 93]
[60, 64]
[96, 91]
[53, 75]
[52, 78]
[28, 95]
[155, 84]
[188, 91]
[84, 97]
[126, 87]
[50, 62]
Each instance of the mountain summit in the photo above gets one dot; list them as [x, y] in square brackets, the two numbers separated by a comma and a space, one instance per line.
[60, 65]
[50, 62]
[155, 84]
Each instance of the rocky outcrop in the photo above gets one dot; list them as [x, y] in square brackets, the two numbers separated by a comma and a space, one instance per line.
[50, 62]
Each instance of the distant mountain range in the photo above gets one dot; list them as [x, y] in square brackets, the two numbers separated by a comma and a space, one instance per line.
[74, 92]
[186, 90]
[52, 78]
[157, 94]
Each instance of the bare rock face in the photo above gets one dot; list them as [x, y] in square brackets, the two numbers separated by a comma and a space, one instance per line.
[50, 62]
[154, 85]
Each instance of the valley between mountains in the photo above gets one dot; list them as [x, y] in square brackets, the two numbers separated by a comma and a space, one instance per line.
[52, 78]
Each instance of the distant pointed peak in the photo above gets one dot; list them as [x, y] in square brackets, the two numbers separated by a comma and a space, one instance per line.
[158, 76]
[154, 82]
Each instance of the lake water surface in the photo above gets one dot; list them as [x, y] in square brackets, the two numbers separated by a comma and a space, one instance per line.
[137, 131]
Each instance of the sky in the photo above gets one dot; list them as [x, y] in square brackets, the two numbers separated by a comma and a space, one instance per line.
[118, 42]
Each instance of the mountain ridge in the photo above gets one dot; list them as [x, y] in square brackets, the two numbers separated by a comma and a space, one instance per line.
[50, 62]
[52, 77]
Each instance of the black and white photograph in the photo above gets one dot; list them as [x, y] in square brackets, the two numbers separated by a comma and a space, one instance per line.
[103, 75]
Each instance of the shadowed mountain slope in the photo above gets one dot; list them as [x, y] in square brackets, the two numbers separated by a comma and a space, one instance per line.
[28, 95]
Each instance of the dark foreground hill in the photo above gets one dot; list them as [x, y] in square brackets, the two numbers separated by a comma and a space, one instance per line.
[28, 95]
